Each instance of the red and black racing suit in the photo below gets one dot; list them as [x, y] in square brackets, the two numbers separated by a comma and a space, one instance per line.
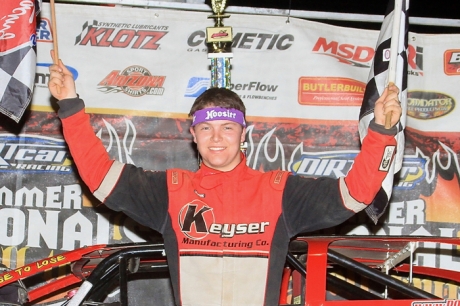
[226, 233]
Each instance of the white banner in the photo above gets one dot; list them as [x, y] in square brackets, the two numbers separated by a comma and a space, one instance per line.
[299, 70]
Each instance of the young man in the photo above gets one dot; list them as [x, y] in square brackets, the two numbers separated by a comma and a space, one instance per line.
[226, 227]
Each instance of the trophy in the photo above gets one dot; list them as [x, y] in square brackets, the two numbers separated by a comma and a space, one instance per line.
[219, 40]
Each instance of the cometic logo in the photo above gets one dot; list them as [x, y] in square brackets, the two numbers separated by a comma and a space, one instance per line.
[33, 154]
[245, 41]
[121, 35]
[452, 62]
[428, 105]
[135, 81]
[358, 56]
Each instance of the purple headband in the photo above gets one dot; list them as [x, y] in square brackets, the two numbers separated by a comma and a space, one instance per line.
[218, 113]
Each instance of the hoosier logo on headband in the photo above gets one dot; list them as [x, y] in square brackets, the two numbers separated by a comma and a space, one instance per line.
[218, 113]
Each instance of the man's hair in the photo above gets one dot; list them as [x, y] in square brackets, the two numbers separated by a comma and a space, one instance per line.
[218, 97]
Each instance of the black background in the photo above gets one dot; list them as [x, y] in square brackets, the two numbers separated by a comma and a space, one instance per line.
[449, 9]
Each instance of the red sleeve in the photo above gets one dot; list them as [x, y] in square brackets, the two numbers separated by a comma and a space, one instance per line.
[87, 150]
[371, 166]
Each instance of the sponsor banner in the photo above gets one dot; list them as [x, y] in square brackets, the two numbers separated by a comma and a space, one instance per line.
[139, 71]
[147, 61]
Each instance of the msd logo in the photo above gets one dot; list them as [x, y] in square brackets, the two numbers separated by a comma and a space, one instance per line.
[358, 56]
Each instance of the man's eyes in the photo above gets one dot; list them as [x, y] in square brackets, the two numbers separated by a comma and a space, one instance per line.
[226, 128]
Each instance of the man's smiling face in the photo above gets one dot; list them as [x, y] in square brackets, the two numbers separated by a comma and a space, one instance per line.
[218, 143]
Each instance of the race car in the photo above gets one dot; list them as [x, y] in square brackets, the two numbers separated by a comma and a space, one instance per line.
[320, 270]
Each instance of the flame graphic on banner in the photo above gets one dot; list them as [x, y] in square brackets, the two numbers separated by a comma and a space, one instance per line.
[262, 156]
[443, 204]
[114, 141]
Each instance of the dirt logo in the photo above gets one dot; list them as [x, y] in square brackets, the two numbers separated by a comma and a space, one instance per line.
[135, 81]
[428, 105]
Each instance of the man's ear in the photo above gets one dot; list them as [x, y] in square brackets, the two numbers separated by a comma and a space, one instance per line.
[243, 135]
[192, 131]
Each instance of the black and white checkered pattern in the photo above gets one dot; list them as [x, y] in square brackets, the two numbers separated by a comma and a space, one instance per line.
[17, 76]
[377, 81]
[84, 30]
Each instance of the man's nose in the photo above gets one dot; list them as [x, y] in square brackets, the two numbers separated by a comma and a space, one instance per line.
[216, 136]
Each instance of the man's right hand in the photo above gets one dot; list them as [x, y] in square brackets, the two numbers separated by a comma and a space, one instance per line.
[61, 83]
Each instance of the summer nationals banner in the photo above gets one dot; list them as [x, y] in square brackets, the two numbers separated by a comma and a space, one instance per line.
[139, 71]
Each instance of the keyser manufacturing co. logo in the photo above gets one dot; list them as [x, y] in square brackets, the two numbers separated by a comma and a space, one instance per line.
[134, 81]
[196, 220]
[121, 35]
[33, 154]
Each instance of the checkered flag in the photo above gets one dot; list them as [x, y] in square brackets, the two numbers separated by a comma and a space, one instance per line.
[84, 30]
[18, 56]
[389, 66]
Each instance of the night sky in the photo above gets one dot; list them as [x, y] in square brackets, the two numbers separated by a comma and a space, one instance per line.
[418, 8]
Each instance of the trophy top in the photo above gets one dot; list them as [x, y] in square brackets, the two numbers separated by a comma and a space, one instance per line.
[218, 6]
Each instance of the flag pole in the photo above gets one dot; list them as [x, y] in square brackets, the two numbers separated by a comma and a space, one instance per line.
[55, 39]
[53, 28]
[394, 50]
